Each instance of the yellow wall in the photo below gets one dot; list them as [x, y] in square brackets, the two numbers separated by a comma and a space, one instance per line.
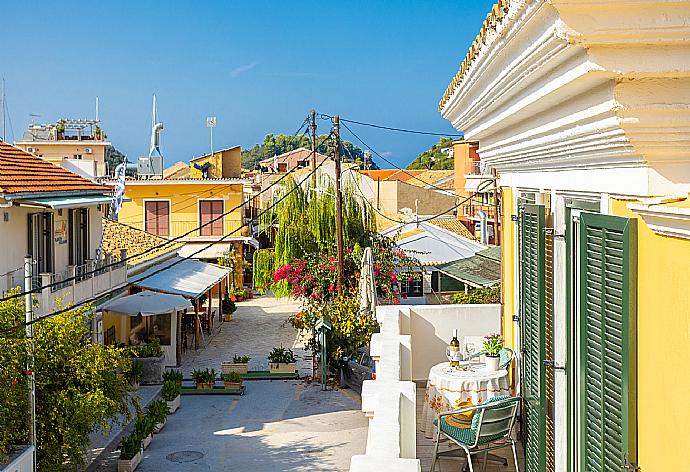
[663, 343]
[224, 164]
[184, 207]
[508, 294]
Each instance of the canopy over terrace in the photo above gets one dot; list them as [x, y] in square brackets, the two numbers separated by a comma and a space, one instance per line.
[191, 279]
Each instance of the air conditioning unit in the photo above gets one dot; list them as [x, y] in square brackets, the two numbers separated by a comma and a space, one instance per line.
[88, 151]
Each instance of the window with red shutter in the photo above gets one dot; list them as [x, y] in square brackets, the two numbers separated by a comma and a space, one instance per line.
[211, 211]
[157, 217]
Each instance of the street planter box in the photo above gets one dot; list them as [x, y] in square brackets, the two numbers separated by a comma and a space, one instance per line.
[159, 426]
[129, 465]
[281, 368]
[204, 386]
[174, 404]
[227, 316]
[20, 459]
[227, 367]
[232, 385]
[147, 440]
[152, 369]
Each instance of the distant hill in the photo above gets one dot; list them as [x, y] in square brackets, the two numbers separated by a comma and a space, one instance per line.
[435, 158]
[279, 144]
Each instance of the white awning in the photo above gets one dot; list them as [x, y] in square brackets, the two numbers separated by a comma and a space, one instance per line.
[187, 277]
[147, 304]
[64, 202]
[479, 183]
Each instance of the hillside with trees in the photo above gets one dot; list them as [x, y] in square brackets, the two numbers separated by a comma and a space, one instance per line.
[279, 144]
[435, 158]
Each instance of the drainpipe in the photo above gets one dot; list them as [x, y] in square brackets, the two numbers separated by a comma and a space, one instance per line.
[483, 230]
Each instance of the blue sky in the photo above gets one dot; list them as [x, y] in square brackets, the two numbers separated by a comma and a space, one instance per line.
[258, 66]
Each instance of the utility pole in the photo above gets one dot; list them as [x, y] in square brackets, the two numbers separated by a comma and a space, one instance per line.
[338, 203]
[313, 148]
[29, 310]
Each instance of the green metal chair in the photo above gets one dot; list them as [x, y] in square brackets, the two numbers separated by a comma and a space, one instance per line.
[506, 356]
[491, 429]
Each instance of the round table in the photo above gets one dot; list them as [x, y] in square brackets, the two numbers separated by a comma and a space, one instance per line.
[447, 388]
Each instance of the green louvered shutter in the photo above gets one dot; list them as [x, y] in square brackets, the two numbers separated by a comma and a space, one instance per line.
[532, 317]
[607, 323]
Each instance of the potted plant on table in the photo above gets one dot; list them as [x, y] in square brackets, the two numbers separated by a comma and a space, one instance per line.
[143, 427]
[282, 361]
[158, 412]
[493, 343]
[232, 380]
[238, 364]
[205, 379]
[130, 453]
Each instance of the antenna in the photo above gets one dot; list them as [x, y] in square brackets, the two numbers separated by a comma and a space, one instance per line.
[96, 108]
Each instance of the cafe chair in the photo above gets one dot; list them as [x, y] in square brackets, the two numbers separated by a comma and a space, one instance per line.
[506, 357]
[491, 429]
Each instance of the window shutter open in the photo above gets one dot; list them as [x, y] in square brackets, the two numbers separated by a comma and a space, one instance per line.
[532, 318]
[608, 346]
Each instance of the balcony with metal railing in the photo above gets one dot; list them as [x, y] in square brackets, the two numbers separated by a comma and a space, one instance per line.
[471, 211]
[476, 168]
[217, 229]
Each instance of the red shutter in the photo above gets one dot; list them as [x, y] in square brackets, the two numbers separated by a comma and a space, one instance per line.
[209, 210]
[217, 212]
[157, 218]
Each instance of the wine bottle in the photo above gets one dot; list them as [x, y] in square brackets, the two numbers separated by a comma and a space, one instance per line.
[454, 350]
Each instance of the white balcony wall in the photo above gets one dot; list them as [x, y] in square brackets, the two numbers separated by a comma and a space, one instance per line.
[411, 340]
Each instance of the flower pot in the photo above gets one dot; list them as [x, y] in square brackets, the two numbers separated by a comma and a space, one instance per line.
[240, 298]
[227, 367]
[232, 385]
[282, 368]
[147, 440]
[203, 385]
[174, 404]
[250, 295]
[159, 426]
[152, 369]
[227, 316]
[233, 298]
[129, 465]
[492, 363]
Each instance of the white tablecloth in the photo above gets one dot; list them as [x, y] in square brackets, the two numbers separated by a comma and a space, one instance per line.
[447, 388]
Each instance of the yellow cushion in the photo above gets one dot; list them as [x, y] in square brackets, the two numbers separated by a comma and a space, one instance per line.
[461, 420]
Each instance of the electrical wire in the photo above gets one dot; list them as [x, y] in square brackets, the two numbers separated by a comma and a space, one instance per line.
[159, 246]
[390, 128]
[134, 282]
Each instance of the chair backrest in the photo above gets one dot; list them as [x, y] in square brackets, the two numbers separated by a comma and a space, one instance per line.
[505, 358]
[496, 419]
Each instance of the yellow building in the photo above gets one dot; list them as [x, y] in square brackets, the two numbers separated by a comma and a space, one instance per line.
[582, 109]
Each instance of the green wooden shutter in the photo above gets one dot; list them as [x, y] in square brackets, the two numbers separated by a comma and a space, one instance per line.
[532, 317]
[607, 324]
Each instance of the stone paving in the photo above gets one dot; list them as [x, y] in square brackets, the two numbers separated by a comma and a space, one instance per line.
[258, 325]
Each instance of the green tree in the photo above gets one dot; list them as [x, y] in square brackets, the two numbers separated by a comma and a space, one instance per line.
[279, 144]
[113, 157]
[435, 158]
[78, 387]
[478, 296]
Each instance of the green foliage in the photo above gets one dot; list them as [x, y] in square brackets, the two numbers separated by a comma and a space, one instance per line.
[144, 426]
[262, 274]
[135, 373]
[204, 376]
[493, 343]
[151, 349]
[113, 158]
[240, 359]
[435, 158]
[279, 144]
[173, 375]
[130, 446]
[281, 355]
[232, 377]
[229, 306]
[158, 411]
[171, 390]
[78, 387]
[478, 296]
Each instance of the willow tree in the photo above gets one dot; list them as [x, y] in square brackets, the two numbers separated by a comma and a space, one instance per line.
[305, 218]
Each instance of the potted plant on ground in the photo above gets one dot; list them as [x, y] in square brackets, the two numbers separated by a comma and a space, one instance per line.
[130, 453]
[229, 308]
[232, 380]
[282, 361]
[205, 379]
[134, 374]
[150, 357]
[143, 427]
[238, 364]
[158, 412]
[493, 343]
[171, 394]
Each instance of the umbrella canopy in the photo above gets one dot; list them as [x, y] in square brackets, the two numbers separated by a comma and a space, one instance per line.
[367, 285]
[147, 304]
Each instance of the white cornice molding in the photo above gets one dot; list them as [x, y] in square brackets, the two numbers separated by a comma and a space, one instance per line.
[664, 220]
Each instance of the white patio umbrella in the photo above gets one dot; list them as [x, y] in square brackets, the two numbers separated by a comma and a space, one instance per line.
[147, 304]
[367, 285]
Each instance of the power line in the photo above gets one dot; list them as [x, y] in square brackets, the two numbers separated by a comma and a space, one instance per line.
[170, 241]
[180, 260]
[390, 128]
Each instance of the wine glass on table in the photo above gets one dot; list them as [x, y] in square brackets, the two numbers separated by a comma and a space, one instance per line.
[470, 349]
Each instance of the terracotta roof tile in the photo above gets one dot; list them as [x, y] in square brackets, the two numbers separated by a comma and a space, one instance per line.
[21, 172]
[118, 236]
[454, 226]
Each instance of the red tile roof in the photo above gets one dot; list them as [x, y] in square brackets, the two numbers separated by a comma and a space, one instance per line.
[21, 172]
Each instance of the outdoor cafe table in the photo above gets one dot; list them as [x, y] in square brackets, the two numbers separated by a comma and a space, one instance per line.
[447, 389]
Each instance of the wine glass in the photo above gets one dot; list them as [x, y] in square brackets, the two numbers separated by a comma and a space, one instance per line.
[469, 350]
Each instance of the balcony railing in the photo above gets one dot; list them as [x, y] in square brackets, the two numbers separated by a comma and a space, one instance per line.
[471, 210]
[476, 168]
[178, 228]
